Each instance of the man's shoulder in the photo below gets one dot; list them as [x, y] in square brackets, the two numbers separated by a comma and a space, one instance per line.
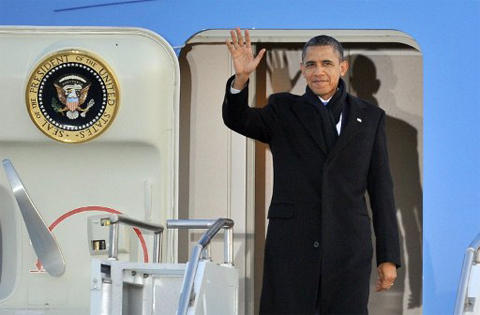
[369, 106]
[283, 98]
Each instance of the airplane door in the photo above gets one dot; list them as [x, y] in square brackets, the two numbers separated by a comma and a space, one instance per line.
[89, 119]
[237, 181]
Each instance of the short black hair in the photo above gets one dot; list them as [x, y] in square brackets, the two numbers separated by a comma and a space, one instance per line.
[324, 40]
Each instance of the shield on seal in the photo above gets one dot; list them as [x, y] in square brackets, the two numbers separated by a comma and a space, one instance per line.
[72, 101]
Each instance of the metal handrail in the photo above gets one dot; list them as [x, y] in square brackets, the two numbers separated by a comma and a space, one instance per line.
[206, 224]
[115, 219]
[472, 256]
[43, 242]
[213, 226]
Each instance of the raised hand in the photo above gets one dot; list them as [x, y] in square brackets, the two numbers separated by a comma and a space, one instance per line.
[279, 73]
[242, 55]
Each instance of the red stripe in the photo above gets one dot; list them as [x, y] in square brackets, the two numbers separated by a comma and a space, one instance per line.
[103, 209]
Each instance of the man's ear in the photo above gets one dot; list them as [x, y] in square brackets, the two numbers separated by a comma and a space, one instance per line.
[302, 68]
[343, 67]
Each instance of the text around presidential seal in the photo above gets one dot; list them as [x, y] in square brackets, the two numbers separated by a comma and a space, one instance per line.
[72, 96]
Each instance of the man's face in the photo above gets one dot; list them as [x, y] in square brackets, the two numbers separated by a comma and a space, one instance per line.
[322, 69]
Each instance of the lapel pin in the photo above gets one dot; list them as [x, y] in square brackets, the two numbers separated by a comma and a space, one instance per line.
[359, 120]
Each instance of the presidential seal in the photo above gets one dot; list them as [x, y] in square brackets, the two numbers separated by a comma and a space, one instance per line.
[72, 96]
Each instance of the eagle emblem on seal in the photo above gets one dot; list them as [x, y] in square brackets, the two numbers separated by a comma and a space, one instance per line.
[72, 92]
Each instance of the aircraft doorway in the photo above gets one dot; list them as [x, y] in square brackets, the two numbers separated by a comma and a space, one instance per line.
[223, 174]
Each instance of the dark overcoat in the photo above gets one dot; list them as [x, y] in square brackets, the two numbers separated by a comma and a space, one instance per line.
[318, 241]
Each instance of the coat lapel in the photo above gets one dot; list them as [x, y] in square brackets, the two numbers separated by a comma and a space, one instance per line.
[307, 114]
[355, 123]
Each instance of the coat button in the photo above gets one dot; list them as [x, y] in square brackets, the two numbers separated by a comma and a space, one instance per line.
[316, 244]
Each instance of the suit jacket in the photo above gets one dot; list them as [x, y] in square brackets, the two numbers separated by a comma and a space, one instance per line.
[318, 241]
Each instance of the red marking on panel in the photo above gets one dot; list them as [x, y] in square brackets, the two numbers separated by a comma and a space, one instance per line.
[38, 264]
